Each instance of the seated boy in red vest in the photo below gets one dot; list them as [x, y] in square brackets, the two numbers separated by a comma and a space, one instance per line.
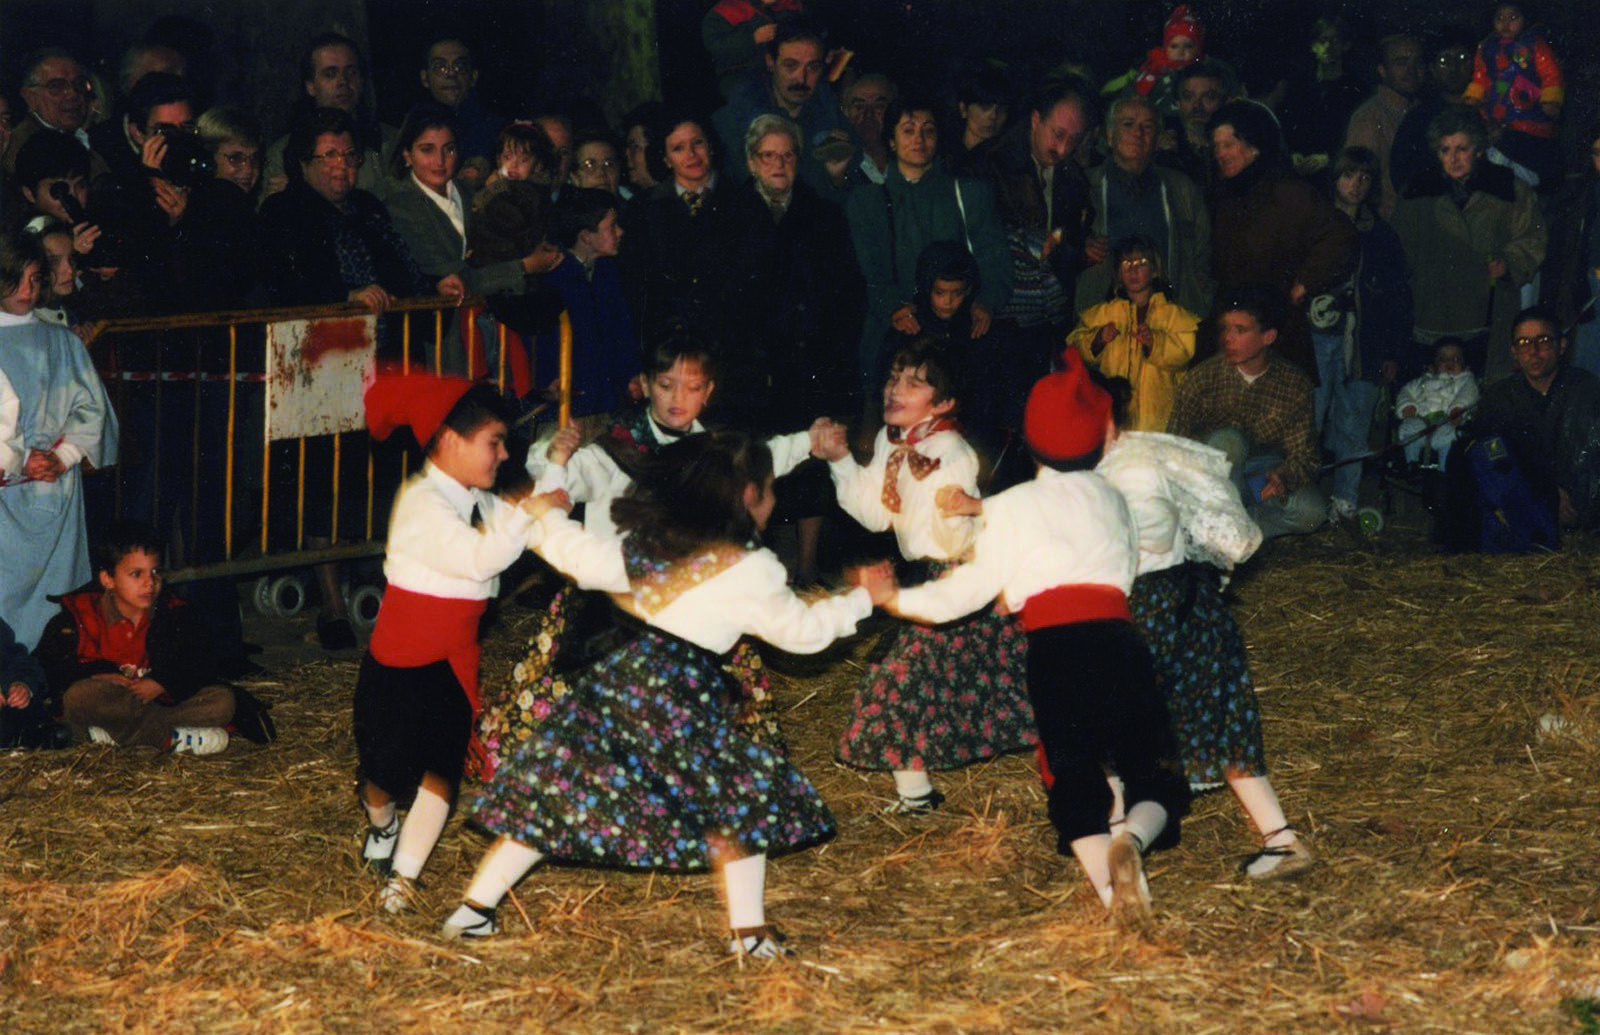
[131, 664]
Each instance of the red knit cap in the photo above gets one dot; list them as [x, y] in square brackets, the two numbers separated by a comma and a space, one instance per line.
[418, 401]
[1183, 22]
[1067, 413]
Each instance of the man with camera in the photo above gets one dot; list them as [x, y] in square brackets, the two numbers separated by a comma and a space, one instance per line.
[187, 240]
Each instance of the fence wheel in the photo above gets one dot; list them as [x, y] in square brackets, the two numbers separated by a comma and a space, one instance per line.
[287, 595]
[364, 607]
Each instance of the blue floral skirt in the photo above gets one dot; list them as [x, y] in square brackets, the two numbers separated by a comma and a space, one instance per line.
[942, 697]
[1202, 671]
[641, 761]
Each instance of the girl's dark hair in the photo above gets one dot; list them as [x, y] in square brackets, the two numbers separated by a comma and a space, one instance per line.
[947, 260]
[675, 342]
[1137, 244]
[691, 492]
[902, 106]
[304, 133]
[943, 366]
[579, 209]
[17, 250]
[419, 120]
[122, 538]
[480, 405]
[667, 120]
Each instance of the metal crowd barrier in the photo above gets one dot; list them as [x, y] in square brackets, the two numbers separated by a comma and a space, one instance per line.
[180, 383]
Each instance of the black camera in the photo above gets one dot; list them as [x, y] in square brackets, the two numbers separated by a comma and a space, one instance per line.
[188, 162]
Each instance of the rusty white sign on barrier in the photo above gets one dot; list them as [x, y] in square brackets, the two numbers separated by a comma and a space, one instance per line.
[317, 373]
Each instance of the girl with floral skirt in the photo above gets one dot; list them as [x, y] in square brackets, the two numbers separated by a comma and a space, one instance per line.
[943, 696]
[640, 764]
[1192, 528]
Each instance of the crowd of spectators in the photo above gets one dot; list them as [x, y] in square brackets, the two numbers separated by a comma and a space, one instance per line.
[1262, 256]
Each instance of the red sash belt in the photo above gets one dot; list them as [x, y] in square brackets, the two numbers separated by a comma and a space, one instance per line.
[1067, 604]
[416, 629]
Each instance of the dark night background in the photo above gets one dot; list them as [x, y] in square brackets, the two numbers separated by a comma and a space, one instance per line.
[537, 51]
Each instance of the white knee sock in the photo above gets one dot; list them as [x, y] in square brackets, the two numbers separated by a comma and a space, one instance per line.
[1145, 821]
[419, 833]
[1260, 803]
[912, 783]
[745, 881]
[505, 864]
[1091, 854]
[379, 816]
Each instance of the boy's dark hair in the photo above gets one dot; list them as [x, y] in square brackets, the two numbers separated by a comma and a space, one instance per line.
[900, 107]
[17, 250]
[943, 366]
[154, 90]
[50, 155]
[1121, 391]
[479, 406]
[691, 492]
[1262, 301]
[579, 209]
[947, 260]
[421, 118]
[801, 28]
[303, 136]
[675, 342]
[122, 538]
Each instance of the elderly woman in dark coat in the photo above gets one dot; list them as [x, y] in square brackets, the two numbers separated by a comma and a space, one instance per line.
[1473, 236]
[1269, 227]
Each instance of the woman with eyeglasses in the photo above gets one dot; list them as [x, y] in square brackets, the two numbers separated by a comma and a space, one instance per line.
[323, 240]
[1474, 236]
[597, 163]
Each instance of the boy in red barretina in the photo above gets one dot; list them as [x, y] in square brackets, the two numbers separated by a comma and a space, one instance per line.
[417, 694]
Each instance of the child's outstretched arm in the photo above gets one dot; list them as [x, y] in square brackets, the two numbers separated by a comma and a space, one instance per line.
[859, 489]
[593, 561]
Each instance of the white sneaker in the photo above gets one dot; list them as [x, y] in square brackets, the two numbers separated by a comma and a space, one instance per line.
[100, 736]
[199, 740]
[1341, 510]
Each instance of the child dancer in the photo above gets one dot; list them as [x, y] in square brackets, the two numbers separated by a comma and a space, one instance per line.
[1062, 550]
[1140, 333]
[1191, 523]
[417, 694]
[942, 697]
[640, 764]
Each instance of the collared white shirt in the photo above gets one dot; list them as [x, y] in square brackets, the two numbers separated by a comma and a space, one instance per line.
[433, 548]
[450, 205]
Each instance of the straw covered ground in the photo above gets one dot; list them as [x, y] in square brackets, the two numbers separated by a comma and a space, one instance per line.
[1402, 693]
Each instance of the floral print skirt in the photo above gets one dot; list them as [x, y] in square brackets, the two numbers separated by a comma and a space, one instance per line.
[942, 697]
[512, 711]
[1201, 669]
[640, 761]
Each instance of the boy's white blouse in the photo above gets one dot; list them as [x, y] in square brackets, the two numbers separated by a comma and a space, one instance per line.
[434, 549]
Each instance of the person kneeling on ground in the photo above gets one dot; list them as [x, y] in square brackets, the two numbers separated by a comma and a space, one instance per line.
[131, 663]
[1256, 408]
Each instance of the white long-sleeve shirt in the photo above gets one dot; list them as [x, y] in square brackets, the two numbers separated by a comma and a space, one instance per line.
[750, 596]
[591, 477]
[434, 549]
[920, 528]
[1061, 529]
